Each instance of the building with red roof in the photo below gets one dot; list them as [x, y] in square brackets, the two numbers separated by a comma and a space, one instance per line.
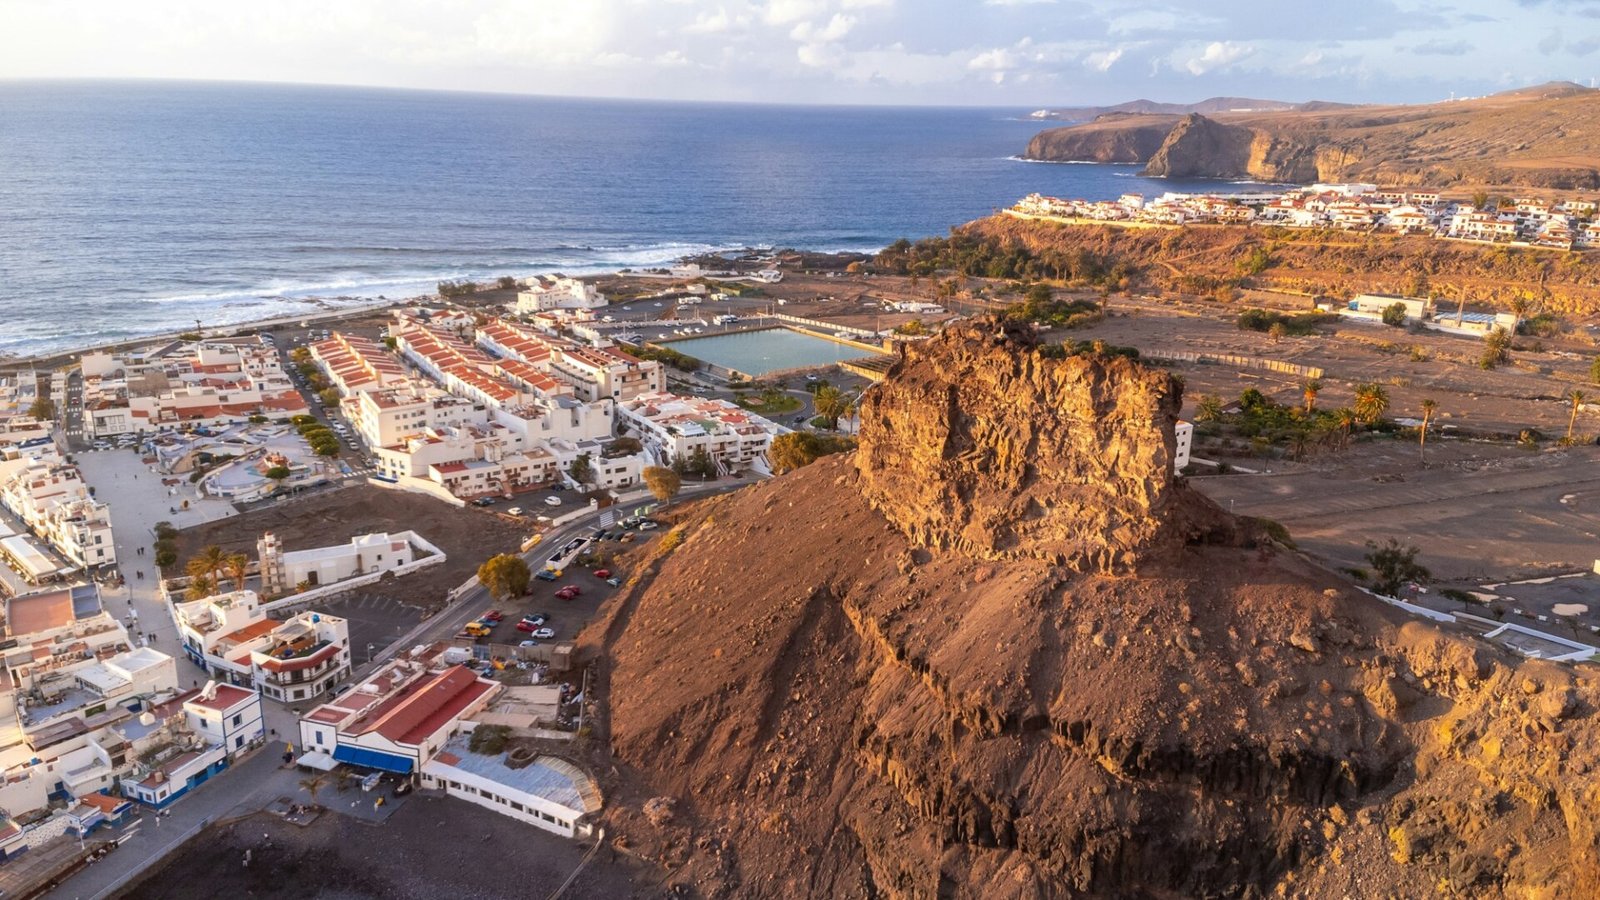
[397, 720]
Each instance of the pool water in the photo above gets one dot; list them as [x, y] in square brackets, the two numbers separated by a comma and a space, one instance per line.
[767, 350]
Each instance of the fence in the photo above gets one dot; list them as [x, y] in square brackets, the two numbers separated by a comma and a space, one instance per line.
[348, 584]
[1230, 359]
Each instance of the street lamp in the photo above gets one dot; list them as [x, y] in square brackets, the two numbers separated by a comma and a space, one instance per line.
[369, 652]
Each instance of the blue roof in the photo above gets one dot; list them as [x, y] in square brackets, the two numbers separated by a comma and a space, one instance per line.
[373, 759]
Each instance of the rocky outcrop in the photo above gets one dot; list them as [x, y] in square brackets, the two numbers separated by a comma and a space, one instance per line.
[1115, 139]
[1199, 147]
[1542, 137]
[1002, 653]
[974, 446]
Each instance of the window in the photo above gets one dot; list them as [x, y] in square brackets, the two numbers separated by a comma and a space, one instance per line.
[239, 719]
[319, 737]
[238, 741]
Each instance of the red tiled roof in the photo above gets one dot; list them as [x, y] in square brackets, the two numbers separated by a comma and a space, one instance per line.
[105, 804]
[251, 632]
[228, 696]
[421, 709]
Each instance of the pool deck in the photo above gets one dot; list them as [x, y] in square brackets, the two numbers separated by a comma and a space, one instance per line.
[869, 351]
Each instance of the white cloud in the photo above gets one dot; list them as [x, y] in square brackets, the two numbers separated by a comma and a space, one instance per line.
[1102, 60]
[1218, 55]
[990, 60]
[836, 28]
[1016, 2]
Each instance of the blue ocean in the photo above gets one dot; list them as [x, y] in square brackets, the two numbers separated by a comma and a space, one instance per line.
[130, 208]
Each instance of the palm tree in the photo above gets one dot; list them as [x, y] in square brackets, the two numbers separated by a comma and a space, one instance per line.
[238, 568]
[208, 565]
[1429, 407]
[1372, 401]
[1576, 397]
[1312, 389]
[1347, 420]
[313, 784]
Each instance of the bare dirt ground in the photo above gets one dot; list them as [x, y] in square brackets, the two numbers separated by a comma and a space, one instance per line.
[1477, 511]
[430, 847]
[468, 535]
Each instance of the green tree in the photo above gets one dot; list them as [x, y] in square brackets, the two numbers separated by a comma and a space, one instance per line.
[1394, 315]
[831, 403]
[802, 448]
[663, 483]
[1496, 348]
[1480, 199]
[237, 568]
[1277, 332]
[1208, 408]
[582, 470]
[208, 565]
[277, 473]
[301, 356]
[1594, 370]
[506, 283]
[42, 409]
[504, 576]
[1039, 294]
[1372, 401]
[1393, 566]
[329, 396]
[1312, 388]
[312, 784]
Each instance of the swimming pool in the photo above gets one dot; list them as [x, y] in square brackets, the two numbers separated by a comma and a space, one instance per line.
[766, 350]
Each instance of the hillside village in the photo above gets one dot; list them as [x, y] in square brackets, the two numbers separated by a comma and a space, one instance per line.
[1567, 224]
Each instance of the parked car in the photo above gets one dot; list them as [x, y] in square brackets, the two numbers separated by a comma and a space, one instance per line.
[527, 627]
[552, 501]
[648, 525]
[528, 644]
[602, 574]
[545, 575]
[545, 634]
[515, 510]
[535, 619]
[627, 537]
[493, 615]
[567, 593]
[614, 581]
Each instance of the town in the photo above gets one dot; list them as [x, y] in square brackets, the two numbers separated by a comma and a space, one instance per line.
[1567, 224]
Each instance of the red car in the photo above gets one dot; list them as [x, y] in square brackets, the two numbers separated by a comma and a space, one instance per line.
[493, 615]
[568, 592]
[602, 574]
[527, 626]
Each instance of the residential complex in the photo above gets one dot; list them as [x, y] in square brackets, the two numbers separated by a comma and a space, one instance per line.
[208, 382]
[233, 639]
[48, 496]
[674, 428]
[1566, 224]
[542, 293]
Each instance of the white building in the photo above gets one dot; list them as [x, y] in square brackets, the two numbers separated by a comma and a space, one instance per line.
[395, 721]
[544, 293]
[548, 792]
[233, 639]
[51, 498]
[1183, 434]
[673, 428]
[365, 554]
[226, 716]
[209, 382]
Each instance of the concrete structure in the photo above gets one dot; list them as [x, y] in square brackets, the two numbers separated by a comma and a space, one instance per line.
[397, 719]
[226, 716]
[1183, 435]
[548, 792]
[50, 497]
[365, 554]
[209, 382]
[674, 428]
[556, 292]
[232, 638]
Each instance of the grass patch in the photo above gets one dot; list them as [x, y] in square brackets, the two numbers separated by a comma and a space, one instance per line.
[769, 406]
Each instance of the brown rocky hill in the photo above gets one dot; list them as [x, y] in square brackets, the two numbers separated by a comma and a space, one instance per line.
[1544, 137]
[1194, 259]
[1003, 652]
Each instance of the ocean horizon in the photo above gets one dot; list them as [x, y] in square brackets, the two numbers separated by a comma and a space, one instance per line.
[136, 208]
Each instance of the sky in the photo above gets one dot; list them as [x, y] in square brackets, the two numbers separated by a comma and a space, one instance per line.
[1029, 53]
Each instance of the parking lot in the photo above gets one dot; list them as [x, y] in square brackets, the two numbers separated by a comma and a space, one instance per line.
[375, 620]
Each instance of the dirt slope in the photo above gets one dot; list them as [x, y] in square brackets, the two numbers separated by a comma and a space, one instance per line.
[842, 686]
[1541, 137]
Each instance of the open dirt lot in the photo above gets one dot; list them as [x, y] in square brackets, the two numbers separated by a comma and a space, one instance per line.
[468, 535]
[1477, 512]
[430, 847]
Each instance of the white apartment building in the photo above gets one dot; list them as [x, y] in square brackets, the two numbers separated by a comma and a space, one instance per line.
[387, 418]
[354, 364]
[210, 382]
[237, 643]
[545, 292]
[51, 498]
[226, 716]
[592, 373]
[674, 428]
[365, 554]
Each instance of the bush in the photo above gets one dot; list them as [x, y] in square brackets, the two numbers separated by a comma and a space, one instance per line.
[457, 288]
[1394, 315]
[1263, 320]
[667, 356]
[166, 557]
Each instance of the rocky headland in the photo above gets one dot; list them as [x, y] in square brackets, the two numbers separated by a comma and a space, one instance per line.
[1001, 651]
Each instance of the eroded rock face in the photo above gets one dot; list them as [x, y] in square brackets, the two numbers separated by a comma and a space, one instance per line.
[1200, 147]
[978, 443]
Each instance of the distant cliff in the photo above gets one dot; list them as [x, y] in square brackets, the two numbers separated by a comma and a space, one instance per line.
[1547, 137]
